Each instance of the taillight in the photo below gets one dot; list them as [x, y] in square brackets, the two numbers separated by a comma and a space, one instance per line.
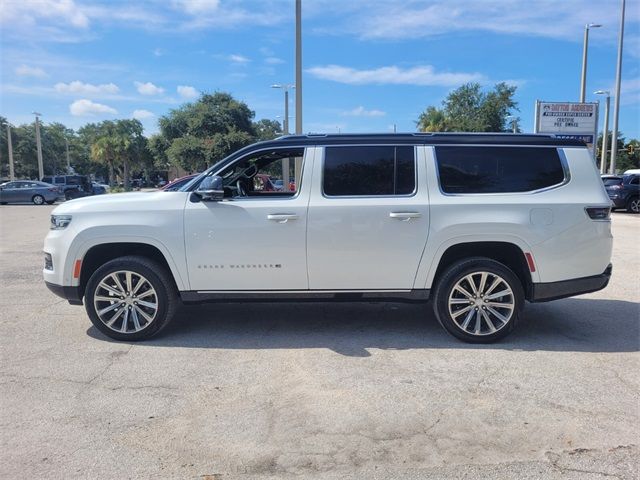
[598, 213]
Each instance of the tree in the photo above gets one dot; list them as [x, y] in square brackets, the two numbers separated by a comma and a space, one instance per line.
[432, 120]
[267, 129]
[203, 132]
[469, 109]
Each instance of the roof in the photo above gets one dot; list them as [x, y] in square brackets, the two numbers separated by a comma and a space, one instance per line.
[428, 139]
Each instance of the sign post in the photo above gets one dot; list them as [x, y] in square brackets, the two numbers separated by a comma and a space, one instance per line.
[569, 120]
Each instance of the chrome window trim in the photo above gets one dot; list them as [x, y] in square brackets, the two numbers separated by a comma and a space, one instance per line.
[561, 155]
[406, 195]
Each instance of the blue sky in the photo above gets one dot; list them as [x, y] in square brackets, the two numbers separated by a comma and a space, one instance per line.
[367, 64]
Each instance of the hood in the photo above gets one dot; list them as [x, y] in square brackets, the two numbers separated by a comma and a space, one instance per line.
[123, 202]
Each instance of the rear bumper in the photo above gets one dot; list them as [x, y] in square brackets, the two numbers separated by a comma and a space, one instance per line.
[544, 292]
[71, 294]
[618, 201]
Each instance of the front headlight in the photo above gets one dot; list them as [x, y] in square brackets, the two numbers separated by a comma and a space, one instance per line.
[60, 222]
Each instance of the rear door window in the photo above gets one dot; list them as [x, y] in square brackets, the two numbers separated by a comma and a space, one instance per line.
[492, 169]
[369, 171]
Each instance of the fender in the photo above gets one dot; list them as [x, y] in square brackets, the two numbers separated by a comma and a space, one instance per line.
[427, 271]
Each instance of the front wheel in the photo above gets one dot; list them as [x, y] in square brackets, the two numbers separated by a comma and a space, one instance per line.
[130, 298]
[633, 206]
[38, 199]
[478, 300]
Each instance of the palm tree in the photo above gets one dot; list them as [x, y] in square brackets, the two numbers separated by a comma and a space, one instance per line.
[432, 120]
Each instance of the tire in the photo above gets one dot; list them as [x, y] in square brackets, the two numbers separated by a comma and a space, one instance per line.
[464, 315]
[50, 202]
[38, 200]
[633, 205]
[140, 321]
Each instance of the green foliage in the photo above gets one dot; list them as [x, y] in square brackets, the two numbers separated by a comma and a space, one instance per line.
[624, 159]
[201, 133]
[267, 129]
[469, 109]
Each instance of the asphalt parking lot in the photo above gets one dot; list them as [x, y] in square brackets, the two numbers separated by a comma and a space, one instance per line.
[315, 390]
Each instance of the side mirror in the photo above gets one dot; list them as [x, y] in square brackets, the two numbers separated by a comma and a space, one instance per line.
[210, 189]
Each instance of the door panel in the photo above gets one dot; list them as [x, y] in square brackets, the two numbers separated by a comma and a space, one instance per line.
[253, 243]
[362, 243]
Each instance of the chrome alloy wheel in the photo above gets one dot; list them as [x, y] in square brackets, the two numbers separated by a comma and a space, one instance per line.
[126, 302]
[481, 303]
[635, 205]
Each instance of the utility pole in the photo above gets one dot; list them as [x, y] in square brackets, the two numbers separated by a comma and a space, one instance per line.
[616, 111]
[585, 48]
[298, 161]
[66, 145]
[12, 175]
[39, 146]
[298, 67]
[605, 135]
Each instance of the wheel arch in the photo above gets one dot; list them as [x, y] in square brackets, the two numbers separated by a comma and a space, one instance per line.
[508, 253]
[97, 254]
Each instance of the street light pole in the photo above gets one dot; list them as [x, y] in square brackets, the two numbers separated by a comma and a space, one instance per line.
[286, 87]
[39, 146]
[585, 47]
[12, 175]
[298, 67]
[616, 111]
[66, 145]
[605, 134]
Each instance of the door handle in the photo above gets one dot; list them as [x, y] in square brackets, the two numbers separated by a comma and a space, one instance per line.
[405, 216]
[282, 217]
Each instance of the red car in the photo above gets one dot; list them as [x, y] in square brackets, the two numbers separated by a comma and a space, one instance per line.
[178, 183]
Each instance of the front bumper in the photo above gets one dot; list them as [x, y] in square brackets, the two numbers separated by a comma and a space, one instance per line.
[71, 294]
[544, 292]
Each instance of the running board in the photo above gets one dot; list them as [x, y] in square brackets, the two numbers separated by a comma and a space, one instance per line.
[224, 296]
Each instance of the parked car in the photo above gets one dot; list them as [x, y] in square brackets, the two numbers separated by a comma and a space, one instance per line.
[28, 191]
[72, 186]
[624, 191]
[178, 183]
[99, 188]
[478, 224]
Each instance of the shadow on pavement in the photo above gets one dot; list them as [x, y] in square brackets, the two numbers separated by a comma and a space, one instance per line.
[571, 325]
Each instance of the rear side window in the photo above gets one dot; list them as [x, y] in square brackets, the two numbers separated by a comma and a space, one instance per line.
[498, 169]
[612, 181]
[369, 171]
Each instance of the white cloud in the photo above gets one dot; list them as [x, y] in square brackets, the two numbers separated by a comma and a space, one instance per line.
[142, 114]
[148, 88]
[27, 71]
[58, 11]
[423, 75]
[362, 112]
[195, 7]
[186, 91]
[273, 60]
[78, 87]
[238, 59]
[402, 19]
[158, 52]
[85, 107]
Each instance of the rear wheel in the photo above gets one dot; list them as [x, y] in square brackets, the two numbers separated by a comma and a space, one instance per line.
[633, 205]
[478, 300]
[130, 298]
[37, 199]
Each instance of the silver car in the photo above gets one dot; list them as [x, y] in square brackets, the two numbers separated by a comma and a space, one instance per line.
[28, 191]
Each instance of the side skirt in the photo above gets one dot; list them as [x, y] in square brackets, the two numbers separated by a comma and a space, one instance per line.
[306, 296]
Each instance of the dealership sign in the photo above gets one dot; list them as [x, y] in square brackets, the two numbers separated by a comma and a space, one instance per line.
[568, 120]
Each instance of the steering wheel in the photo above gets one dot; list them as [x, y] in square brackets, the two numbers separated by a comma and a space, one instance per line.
[249, 172]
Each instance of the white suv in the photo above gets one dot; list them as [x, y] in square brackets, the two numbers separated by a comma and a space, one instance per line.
[478, 223]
